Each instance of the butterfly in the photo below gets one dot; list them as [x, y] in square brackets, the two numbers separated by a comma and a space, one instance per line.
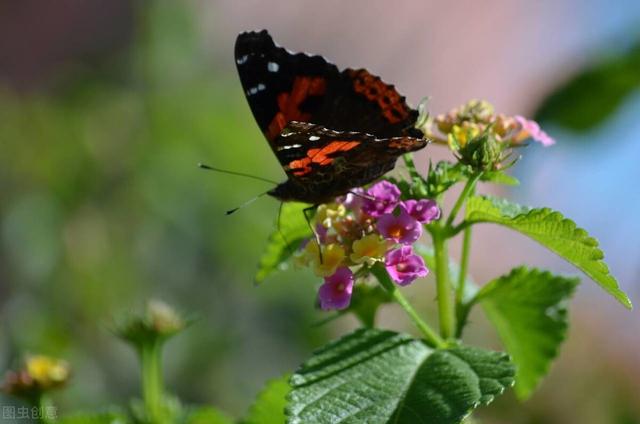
[331, 130]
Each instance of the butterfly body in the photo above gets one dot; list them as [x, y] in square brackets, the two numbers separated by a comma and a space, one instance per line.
[331, 130]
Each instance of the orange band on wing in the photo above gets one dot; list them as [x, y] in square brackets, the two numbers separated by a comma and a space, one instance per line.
[375, 90]
[320, 156]
[289, 103]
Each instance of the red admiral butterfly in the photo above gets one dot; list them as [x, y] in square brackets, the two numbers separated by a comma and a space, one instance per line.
[331, 130]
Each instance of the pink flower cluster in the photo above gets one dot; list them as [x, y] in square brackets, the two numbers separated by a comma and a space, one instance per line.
[474, 117]
[360, 229]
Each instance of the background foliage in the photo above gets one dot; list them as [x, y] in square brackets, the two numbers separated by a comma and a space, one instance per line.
[102, 206]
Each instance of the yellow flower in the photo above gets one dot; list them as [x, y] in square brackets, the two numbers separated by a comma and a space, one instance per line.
[332, 257]
[461, 134]
[327, 213]
[368, 249]
[307, 255]
[46, 371]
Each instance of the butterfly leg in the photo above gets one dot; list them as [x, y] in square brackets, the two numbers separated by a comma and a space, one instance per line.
[313, 230]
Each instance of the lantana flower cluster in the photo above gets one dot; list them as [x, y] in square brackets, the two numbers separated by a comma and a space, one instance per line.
[470, 120]
[361, 229]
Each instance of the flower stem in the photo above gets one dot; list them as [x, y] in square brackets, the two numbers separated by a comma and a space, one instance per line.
[430, 336]
[462, 309]
[45, 406]
[468, 189]
[152, 385]
[464, 261]
[445, 304]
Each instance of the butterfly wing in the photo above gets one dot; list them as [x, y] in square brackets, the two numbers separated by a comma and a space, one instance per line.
[322, 163]
[282, 86]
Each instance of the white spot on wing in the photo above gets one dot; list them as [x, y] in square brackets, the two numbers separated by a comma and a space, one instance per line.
[242, 59]
[273, 67]
[314, 138]
[292, 146]
[255, 89]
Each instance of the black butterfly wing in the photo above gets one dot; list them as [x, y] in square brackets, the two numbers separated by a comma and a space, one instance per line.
[322, 163]
[282, 86]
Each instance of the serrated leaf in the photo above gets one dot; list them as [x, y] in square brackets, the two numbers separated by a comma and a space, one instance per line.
[374, 376]
[270, 403]
[555, 232]
[283, 241]
[528, 309]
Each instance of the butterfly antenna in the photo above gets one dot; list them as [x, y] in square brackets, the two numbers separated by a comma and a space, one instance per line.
[240, 174]
[248, 202]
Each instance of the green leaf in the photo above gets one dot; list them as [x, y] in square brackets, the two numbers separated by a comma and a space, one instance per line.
[207, 415]
[553, 231]
[283, 241]
[375, 376]
[499, 177]
[611, 81]
[104, 417]
[528, 308]
[443, 176]
[271, 402]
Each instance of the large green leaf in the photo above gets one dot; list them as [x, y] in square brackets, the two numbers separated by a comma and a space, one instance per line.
[528, 308]
[611, 82]
[293, 228]
[270, 404]
[552, 230]
[375, 376]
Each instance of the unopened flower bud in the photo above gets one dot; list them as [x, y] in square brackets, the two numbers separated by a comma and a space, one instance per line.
[160, 321]
[483, 153]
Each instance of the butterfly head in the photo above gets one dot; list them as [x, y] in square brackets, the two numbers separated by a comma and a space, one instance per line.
[291, 191]
[285, 191]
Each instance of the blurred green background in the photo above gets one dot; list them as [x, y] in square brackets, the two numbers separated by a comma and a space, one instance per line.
[107, 107]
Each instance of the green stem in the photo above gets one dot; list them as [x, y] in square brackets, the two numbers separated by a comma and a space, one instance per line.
[445, 304]
[462, 309]
[430, 336]
[464, 264]
[45, 406]
[469, 187]
[464, 261]
[152, 385]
